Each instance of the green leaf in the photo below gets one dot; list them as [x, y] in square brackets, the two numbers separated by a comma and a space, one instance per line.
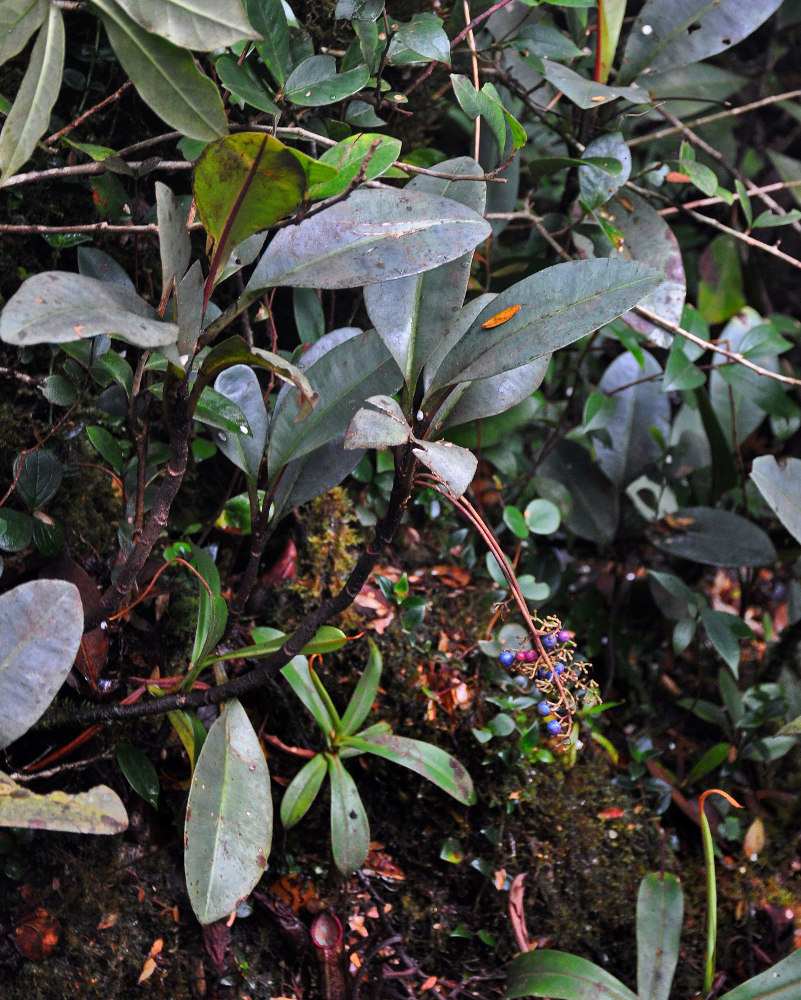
[720, 627]
[139, 771]
[350, 830]
[363, 697]
[97, 811]
[597, 184]
[665, 36]
[298, 674]
[41, 623]
[349, 155]
[542, 517]
[715, 538]
[315, 82]
[29, 116]
[59, 391]
[215, 410]
[346, 370]
[640, 405]
[711, 760]
[190, 732]
[486, 104]
[584, 92]
[425, 759]
[650, 240]
[781, 981]
[544, 41]
[229, 817]
[175, 245]
[559, 305]
[375, 235]
[269, 19]
[515, 522]
[423, 39]
[108, 447]
[308, 312]
[660, 911]
[312, 475]
[16, 530]
[18, 21]
[412, 313]
[383, 427]
[239, 384]
[165, 76]
[455, 466]
[54, 307]
[244, 85]
[38, 478]
[780, 485]
[243, 183]
[595, 510]
[193, 24]
[556, 974]
[302, 790]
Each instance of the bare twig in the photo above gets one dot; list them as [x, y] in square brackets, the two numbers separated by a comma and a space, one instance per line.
[87, 114]
[88, 169]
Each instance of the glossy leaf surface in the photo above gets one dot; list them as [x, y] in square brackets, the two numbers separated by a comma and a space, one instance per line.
[239, 384]
[229, 817]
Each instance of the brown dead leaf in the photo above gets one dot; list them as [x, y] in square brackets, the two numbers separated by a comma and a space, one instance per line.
[517, 914]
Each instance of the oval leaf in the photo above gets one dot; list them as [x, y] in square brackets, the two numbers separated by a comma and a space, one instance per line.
[97, 811]
[55, 307]
[41, 623]
[194, 24]
[302, 790]
[39, 478]
[239, 384]
[660, 911]
[141, 775]
[229, 817]
[563, 977]
[375, 235]
[350, 830]
[780, 485]
[715, 538]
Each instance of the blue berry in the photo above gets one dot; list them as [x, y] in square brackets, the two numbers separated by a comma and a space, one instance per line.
[507, 658]
[554, 727]
[545, 675]
[543, 708]
[559, 668]
[549, 641]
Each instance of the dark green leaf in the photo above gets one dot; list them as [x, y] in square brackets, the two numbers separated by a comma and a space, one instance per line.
[269, 19]
[596, 184]
[16, 530]
[194, 24]
[108, 447]
[363, 697]
[584, 92]
[141, 775]
[556, 974]
[316, 473]
[59, 391]
[595, 499]
[780, 485]
[350, 831]
[229, 817]
[315, 82]
[243, 85]
[712, 759]
[715, 538]
[302, 790]
[718, 625]
[38, 478]
[18, 21]
[421, 40]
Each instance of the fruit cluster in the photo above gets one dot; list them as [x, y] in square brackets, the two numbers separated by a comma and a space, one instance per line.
[546, 657]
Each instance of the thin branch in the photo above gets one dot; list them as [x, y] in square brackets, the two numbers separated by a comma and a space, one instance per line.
[87, 114]
[706, 119]
[707, 202]
[88, 169]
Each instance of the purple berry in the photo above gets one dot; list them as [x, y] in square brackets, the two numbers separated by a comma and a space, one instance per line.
[507, 658]
[554, 727]
[549, 641]
[531, 656]
[563, 635]
[520, 656]
[543, 708]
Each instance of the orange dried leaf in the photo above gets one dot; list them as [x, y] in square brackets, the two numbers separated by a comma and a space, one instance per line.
[147, 970]
[500, 318]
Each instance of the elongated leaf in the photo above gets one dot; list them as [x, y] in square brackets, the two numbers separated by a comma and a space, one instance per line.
[18, 21]
[487, 396]
[138, 769]
[97, 811]
[610, 21]
[715, 538]
[298, 674]
[269, 19]
[175, 244]
[585, 92]
[239, 383]
[350, 830]
[649, 239]
[189, 307]
[190, 732]
[345, 376]
[595, 510]
[412, 314]
[455, 466]
[485, 103]
[559, 305]
[244, 183]
[30, 113]
[639, 406]
[314, 474]
[244, 85]
[229, 817]
[41, 623]
[597, 184]
[665, 36]
[55, 307]
[556, 974]
[781, 981]
[375, 235]
[315, 82]
[166, 76]
[423, 758]
[302, 790]
[780, 485]
[660, 911]
[363, 697]
[193, 24]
